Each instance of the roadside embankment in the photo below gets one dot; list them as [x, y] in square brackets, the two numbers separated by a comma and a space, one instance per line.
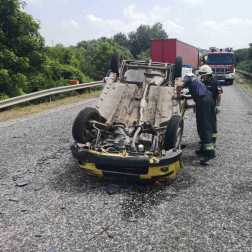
[244, 81]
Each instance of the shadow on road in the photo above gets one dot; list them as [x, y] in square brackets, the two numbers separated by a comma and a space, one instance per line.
[71, 178]
[136, 198]
[139, 198]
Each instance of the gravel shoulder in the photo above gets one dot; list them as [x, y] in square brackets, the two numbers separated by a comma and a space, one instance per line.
[205, 208]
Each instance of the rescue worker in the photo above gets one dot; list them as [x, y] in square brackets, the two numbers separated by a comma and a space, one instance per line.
[204, 113]
[214, 86]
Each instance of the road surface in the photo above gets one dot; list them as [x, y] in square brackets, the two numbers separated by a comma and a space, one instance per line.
[205, 208]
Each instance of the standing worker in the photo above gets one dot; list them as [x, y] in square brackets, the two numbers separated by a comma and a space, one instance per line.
[214, 86]
[204, 113]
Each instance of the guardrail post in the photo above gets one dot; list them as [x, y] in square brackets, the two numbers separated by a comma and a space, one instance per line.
[89, 90]
[74, 82]
[49, 98]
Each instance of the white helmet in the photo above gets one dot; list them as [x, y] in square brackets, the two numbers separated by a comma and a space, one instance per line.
[205, 70]
[190, 74]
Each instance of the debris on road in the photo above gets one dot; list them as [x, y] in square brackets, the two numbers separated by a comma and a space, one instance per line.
[3, 173]
[14, 178]
[183, 146]
[52, 249]
[112, 188]
[13, 199]
[37, 188]
[95, 184]
[110, 235]
[22, 182]
[104, 229]
[157, 182]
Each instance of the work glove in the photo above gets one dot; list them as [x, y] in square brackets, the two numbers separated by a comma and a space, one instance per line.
[217, 110]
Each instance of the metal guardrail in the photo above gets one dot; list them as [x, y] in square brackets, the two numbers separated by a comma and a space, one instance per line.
[47, 92]
[243, 72]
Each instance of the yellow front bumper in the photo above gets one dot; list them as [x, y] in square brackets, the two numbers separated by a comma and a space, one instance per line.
[154, 172]
[92, 162]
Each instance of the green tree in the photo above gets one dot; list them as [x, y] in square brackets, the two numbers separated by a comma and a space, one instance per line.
[121, 39]
[26, 65]
[157, 31]
[241, 55]
[140, 39]
[144, 55]
[21, 48]
[250, 52]
[243, 59]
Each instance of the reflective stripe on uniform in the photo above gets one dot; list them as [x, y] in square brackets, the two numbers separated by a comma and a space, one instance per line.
[209, 146]
[214, 135]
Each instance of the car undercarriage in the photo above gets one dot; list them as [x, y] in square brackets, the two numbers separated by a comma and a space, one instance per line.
[136, 128]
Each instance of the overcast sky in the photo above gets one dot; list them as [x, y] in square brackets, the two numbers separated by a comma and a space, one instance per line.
[201, 23]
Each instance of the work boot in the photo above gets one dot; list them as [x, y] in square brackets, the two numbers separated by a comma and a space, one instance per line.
[200, 152]
[208, 155]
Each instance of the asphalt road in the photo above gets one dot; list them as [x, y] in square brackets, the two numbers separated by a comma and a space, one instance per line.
[205, 208]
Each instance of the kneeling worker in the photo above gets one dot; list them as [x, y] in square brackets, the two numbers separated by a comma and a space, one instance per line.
[205, 110]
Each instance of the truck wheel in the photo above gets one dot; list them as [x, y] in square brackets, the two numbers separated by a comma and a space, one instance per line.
[173, 133]
[82, 130]
[231, 82]
[115, 62]
[178, 67]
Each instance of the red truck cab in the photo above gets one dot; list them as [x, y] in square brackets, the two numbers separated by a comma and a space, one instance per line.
[222, 63]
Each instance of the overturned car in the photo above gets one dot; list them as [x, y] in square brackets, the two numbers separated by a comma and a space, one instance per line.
[136, 128]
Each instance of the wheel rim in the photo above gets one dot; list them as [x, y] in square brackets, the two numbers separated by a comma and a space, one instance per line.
[87, 130]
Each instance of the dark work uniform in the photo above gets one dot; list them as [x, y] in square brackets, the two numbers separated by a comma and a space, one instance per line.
[205, 111]
[214, 87]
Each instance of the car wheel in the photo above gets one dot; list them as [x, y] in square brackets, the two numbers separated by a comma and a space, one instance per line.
[115, 62]
[82, 130]
[174, 132]
[178, 67]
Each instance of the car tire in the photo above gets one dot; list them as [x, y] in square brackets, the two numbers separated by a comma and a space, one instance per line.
[116, 60]
[173, 133]
[82, 129]
[178, 67]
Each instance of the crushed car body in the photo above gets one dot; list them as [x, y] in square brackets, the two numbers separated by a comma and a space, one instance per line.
[136, 128]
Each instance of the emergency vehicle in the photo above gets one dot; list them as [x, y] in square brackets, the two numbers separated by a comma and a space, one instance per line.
[222, 63]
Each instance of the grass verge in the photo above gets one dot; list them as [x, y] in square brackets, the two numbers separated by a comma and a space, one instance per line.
[15, 113]
[245, 82]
